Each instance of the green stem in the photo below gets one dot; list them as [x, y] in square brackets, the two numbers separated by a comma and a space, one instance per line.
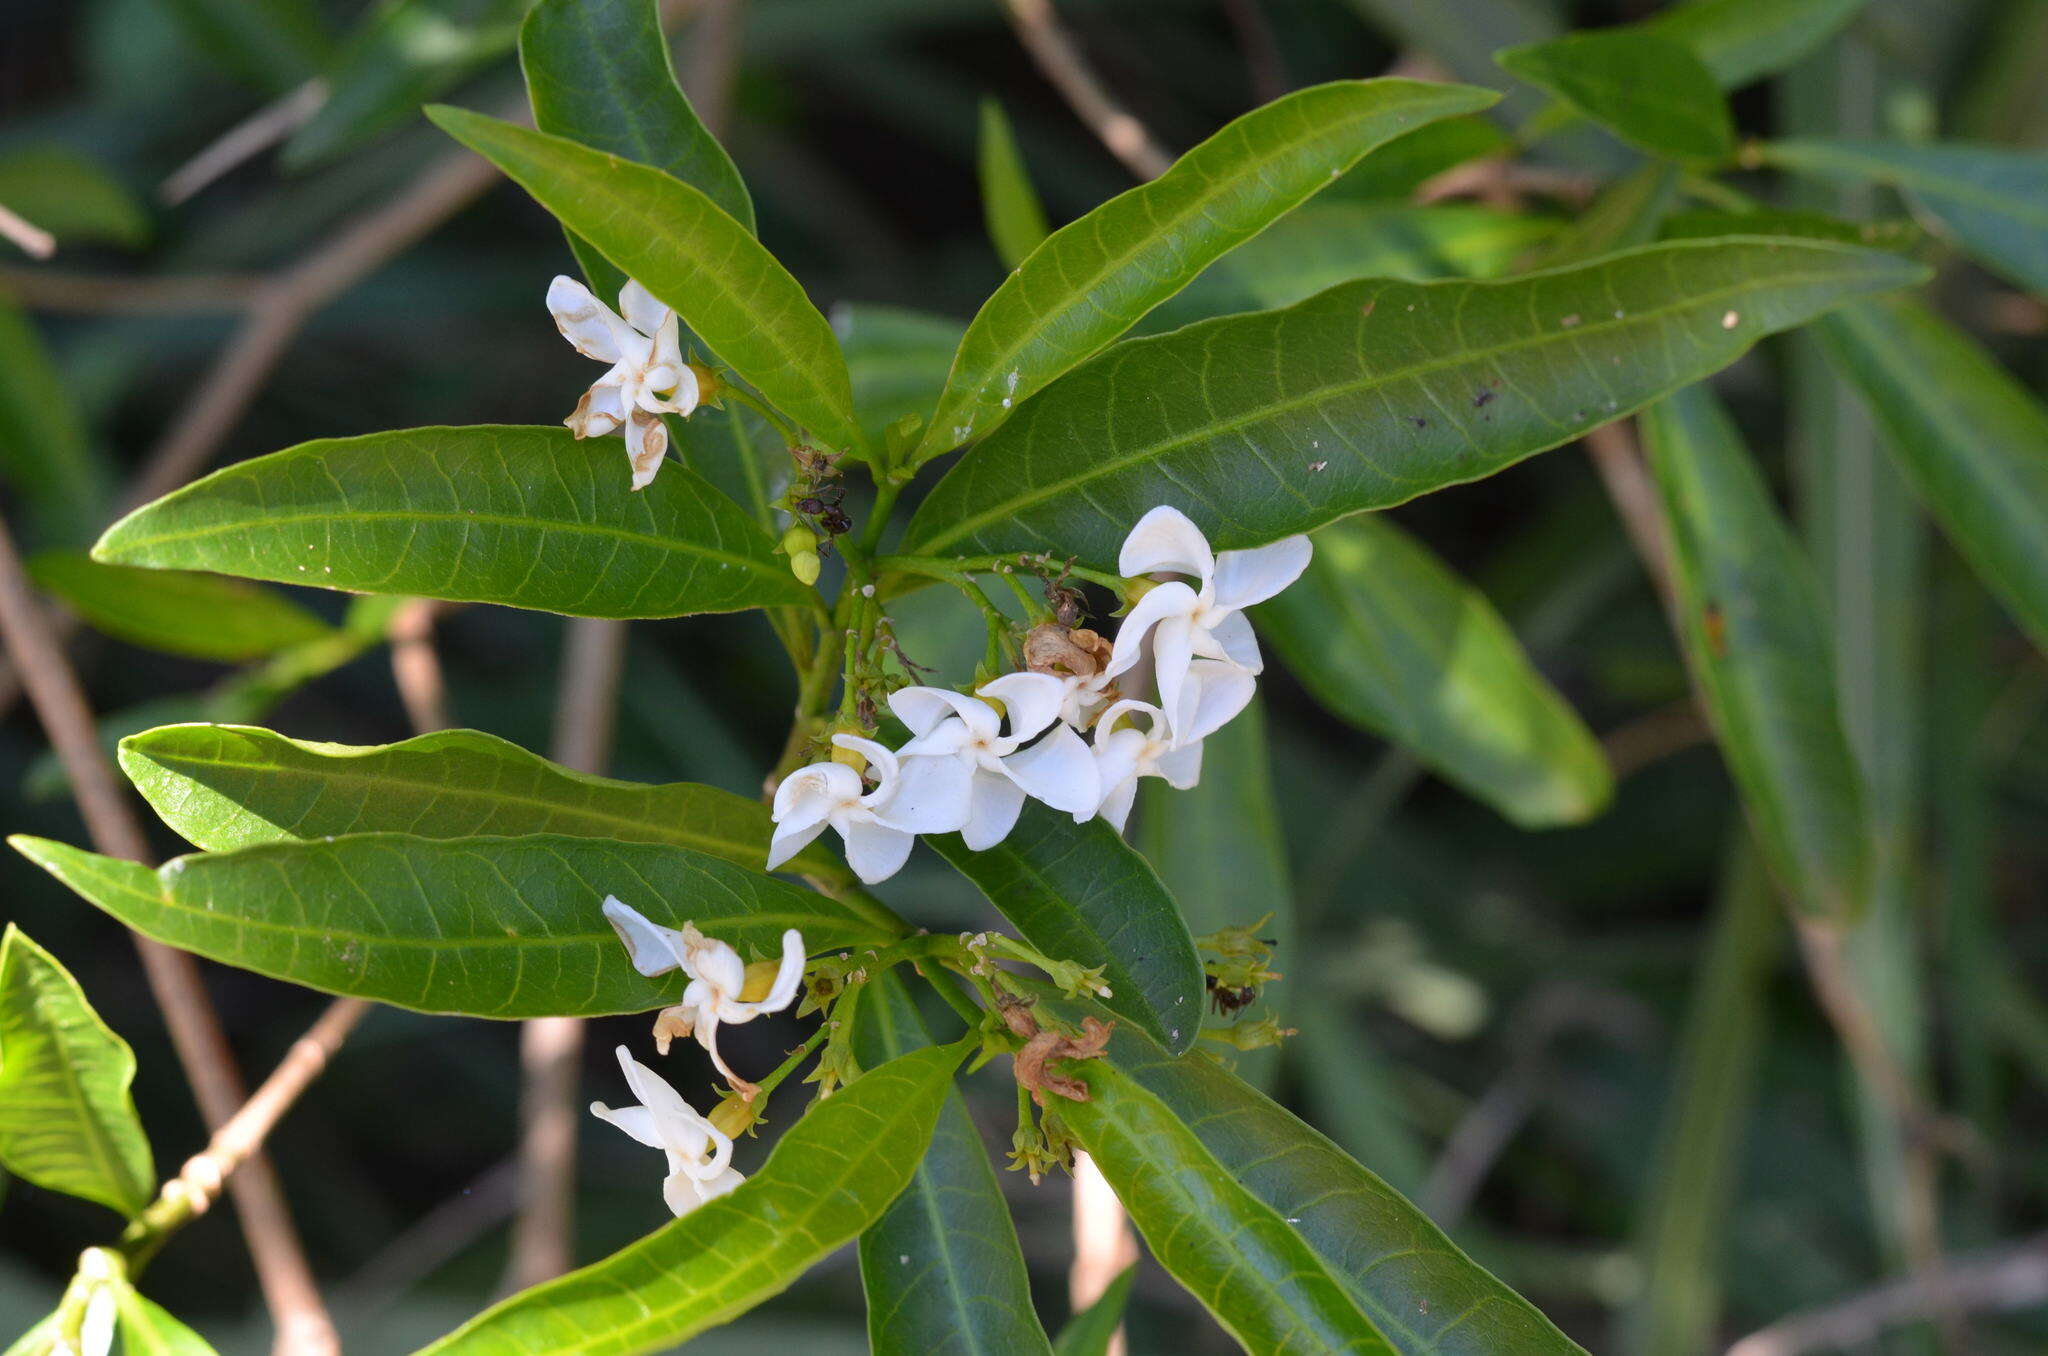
[788, 1066]
[886, 491]
[953, 567]
[941, 979]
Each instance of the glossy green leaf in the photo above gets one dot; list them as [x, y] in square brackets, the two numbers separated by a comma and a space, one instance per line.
[1625, 214]
[1384, 634]
[1650, 91]
[44, 456]
[405, 53]
[1094, 278]
[528, 517]
[1741, 40]
[1078, 892]
[598, 73]
[1372, 393]
[67, 1121]
[148, 1329]
[1899, 236]
[1993, 200]
[689, 252]
[831, 1176]
[897, 359]
[1009, 204]
[71, 197]
[1394, 171]
[1090, 1332]
[1761, 652]
[203, 616]
[1972, 440]
[1289, 1243]
[941, 1267]
[484, 927]
[272, 44]
[224, 787]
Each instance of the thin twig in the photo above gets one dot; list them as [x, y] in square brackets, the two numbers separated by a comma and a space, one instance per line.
[36, 242]
[1060, 61]
[303, 1327]
[1995, 1280]
[247, 139]
[416, 666]
[1654, 736]
[46, 289]
[1634, 495]
[1103, 1246]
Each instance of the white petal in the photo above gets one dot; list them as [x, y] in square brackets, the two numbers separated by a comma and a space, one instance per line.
[1165, 541]
[641, 310]
[1032, 700]
[646, 445]
[601, 409]
[724, 1184]
[1181, 767]
[921, 709]
[718, 966]
[1233, 640]
[995, 804]
[654, 949]
[1172, 651]
[1116, 806]
[874, 851]
[681, 1192]
[790, 977]
[653, 1090]
[1116, 759]
[1247, 577]
[1164, 602]
[929, 796]
[794, 837]
[96, 1329]
[1059, 770]
[636, 1121]
[1215, 692]
[815, 787]
[944, 740]
[880, 759]
[585, 321]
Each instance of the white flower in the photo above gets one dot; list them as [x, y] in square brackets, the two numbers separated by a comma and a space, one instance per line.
[968, 732]
[699, 1155]
[648, 377]
[719, 979]
[1124, 753]
[925, 795]
[1185, 623]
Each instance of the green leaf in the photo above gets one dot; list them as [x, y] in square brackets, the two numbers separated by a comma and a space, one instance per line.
[1462, 34]
[203, 616]
[1762, 654]
[405, 53]
[1393, 172]
[272, 44]
[44, 456]
[1089, 1332]
[72, 197]
[1289, 1243]
[1078, 892]
[941, 1267]
[1384, 634]
[1016, 219]
[148, 1329]
[481, 927]
[897, 359]
[527, 517]
[1370, 394]
[831, 1176]
[598, 73]
[1094, 278]
[1972, 440]
[1650, 91]
[1626, 213]
[690, 253]
[1994, 201]
[1741, 41]
[67, 1121]
[1899, 236]
[224, 787]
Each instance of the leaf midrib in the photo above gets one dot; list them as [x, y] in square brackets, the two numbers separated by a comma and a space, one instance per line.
[1211, 431]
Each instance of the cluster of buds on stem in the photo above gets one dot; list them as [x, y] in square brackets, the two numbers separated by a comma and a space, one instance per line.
[815, 502]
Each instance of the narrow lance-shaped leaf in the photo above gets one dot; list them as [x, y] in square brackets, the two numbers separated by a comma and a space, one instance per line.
[72, 197]
[527, 517]
[1289, 1243]
[1760, 649]
[1650, 91]
[1009, 204]
[272, 44]
[1384, 634]
[1992, 199]
[689, 252]
[1372, 393]
[45, 458]
[204, 616]
[1094, 278]
[67, 1121]
[897, 359]
[941, 1267]
[481, 927]
[830, 1177]
[1972, 440]
[1079, 893]
[1090, 1332]
[598, 73]
[1626, 213]
[148, 1329]
[1740, 40]
[224, 787]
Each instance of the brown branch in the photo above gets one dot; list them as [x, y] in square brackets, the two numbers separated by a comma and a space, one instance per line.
[34, 241]
[1060, 61]
[416, 666]
[248, 138]
[1996, 1280]
[303, 1326]
[1654, 736]
[1103, 1246]
[1634, 495]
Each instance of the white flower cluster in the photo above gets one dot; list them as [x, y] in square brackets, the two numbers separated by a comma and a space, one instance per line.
[699, 1153]
[972, 760]
[648, 376]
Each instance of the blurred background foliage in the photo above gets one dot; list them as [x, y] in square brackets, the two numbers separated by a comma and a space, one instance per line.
[1588, 1051]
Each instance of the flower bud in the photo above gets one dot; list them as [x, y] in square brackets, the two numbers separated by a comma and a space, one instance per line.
[797, 539]
[709, 384]
[760, 979]
[805, 565]
[735, 1115]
